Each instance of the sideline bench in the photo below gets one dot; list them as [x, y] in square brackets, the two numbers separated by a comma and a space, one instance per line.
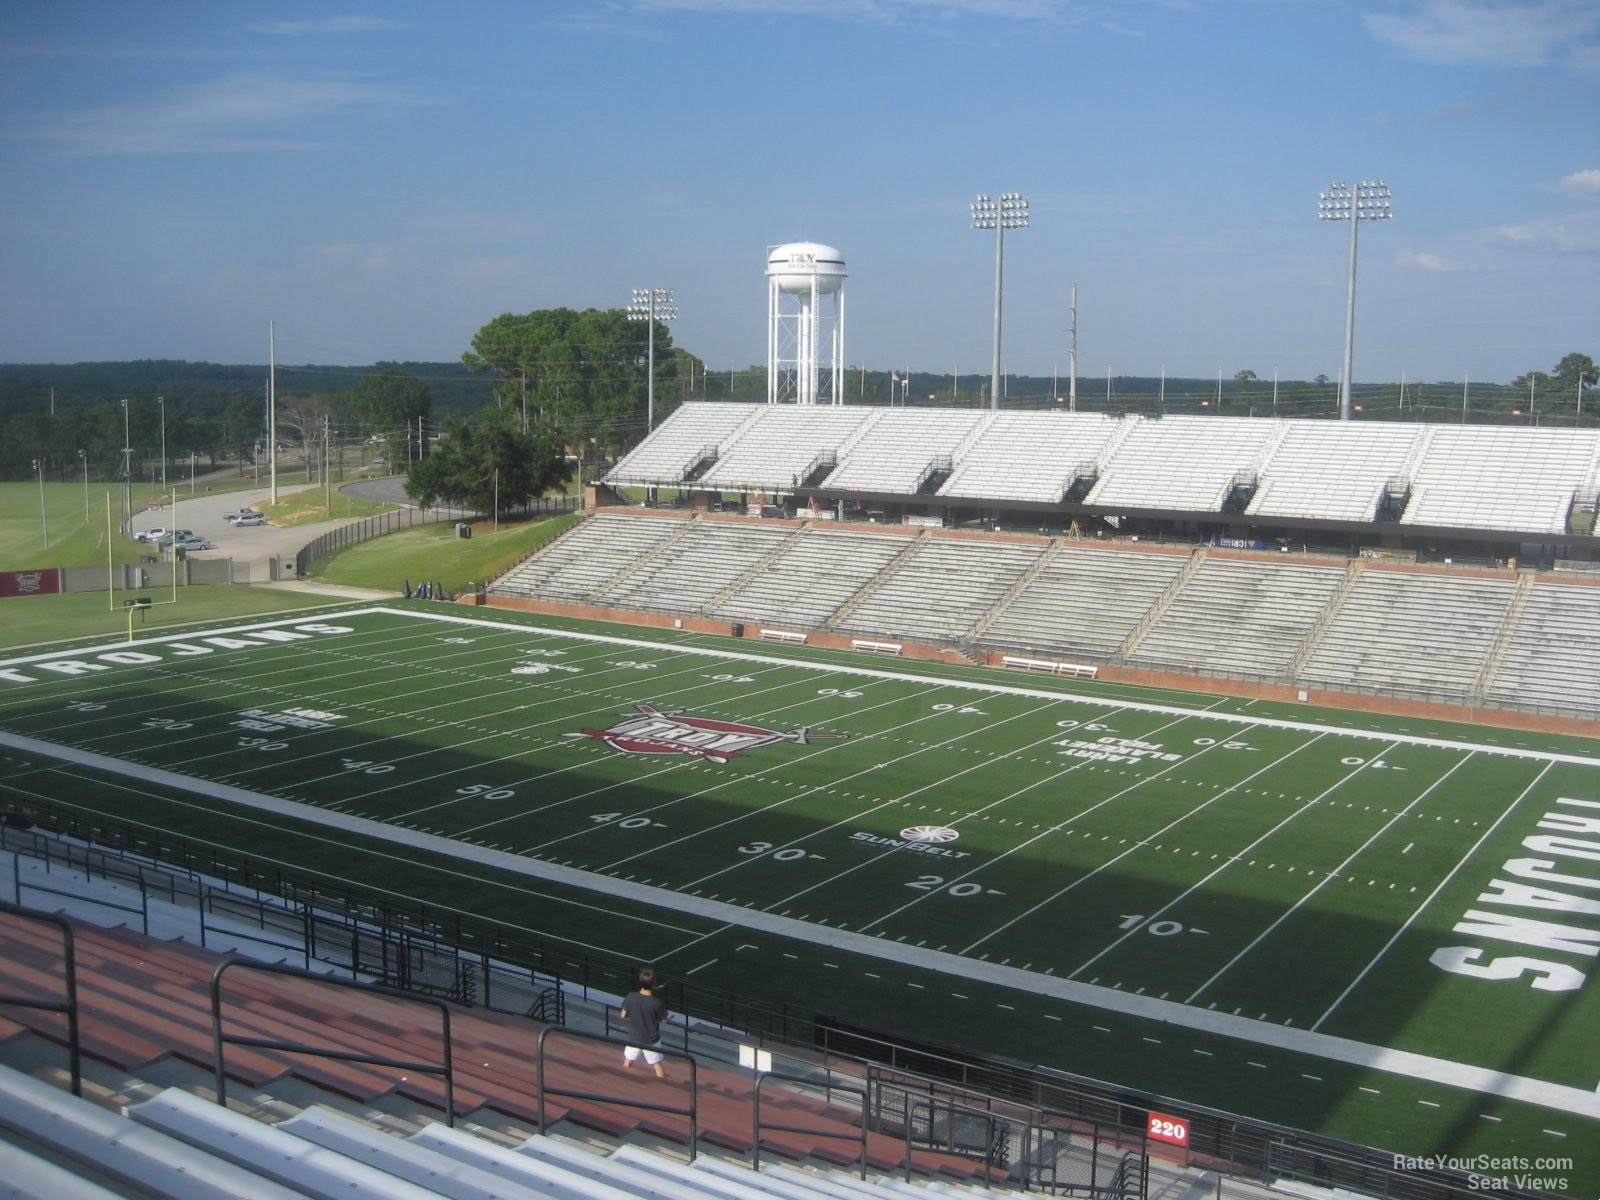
[876, 647]
[1049, 666]
[782, 635]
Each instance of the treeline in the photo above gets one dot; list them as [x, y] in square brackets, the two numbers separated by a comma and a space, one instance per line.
[582, 373]
[217, 412]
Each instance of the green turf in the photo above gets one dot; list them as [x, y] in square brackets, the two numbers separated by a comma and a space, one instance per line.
[1293, 866]
[31, 621]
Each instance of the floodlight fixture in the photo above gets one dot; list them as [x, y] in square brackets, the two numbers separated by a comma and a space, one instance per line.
[1368, 200]
[652, 305]
[1006, 211]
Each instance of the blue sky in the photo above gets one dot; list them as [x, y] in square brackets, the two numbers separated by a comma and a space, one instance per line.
[381, 181]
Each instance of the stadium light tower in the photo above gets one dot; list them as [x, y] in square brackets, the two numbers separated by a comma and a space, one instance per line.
[1364, 201]
[651, 304]
[1006, 211]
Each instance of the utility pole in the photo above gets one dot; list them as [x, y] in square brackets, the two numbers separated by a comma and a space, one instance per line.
[1072, 365]
[127, 465]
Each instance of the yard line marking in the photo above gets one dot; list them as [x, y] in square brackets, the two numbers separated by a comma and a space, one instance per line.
[887, 854]
[1051, 899]
[1058, 827]
[1560, 1097]
[1350, 858]
[701, 967]
[1304, 808]
[764, 771]
[827, 665]
[1417, 912]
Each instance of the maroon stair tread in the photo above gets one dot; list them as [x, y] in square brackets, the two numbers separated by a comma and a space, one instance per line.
[143, 999]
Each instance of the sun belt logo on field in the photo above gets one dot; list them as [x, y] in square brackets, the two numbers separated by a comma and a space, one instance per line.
[652, 731]
[933, 834]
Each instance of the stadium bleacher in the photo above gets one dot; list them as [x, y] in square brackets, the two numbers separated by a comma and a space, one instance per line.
[1239, 617]
[1470, 477]
[1490, 477]
[1332, 470]
[300, 1125]
[1411, 634]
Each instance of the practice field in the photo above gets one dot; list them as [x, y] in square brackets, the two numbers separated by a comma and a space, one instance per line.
[1381, 929]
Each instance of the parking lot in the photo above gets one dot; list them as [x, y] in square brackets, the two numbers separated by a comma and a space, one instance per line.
[204, 514]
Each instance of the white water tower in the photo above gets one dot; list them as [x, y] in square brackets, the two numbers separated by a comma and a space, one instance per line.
[805, 335]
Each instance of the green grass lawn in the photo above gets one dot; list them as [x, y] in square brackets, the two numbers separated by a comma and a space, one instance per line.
[313, 504]
[1128, 885]
[436, 554]
[27, 621]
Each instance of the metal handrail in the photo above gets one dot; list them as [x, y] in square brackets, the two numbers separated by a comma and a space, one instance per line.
[219, 1039]
[756, 1126]
[692, 1111]
[69, 1006]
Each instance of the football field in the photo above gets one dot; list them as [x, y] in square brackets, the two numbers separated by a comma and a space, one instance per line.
[1380, 928]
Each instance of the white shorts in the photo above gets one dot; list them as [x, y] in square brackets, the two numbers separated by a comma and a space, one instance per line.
[650, 1054]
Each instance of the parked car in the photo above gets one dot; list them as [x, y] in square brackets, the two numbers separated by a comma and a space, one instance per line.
[150, 535]
[193, 543]
[171, 535]
[246, 518]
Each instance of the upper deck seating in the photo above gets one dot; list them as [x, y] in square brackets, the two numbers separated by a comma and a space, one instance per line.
[678, 442]
[1030, 456]
[785, 441]
[1332, 470]
[1085, 602]
[1239, 617]
[1184, 463]
[1493, 477]
[941, 589]
[897, 452]
[1411, 634]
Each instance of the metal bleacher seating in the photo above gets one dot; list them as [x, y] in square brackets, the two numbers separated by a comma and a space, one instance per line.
[1452, 476]
[902, 449]
[1182, 463]
[123, 1154]
[1031, 457]
[1084, 603]
[684, 574]
[676, 445]
[574, 565]
[1410, 634]
[941, 589]
[783, 445]
[811, 578]
[1551, 658]
[1332, 470]
[1239, 617]
[1493, 477]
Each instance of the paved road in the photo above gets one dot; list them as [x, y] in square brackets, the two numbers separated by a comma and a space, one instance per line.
[253, 544]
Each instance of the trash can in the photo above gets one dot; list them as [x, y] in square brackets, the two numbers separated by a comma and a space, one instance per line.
[463, 530]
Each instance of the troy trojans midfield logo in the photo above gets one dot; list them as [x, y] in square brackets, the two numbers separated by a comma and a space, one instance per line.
[651, 731]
